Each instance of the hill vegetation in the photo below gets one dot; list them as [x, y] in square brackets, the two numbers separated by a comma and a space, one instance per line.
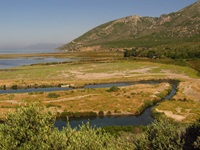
[177, 31]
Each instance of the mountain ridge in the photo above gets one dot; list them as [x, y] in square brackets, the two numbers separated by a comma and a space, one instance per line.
[135, 31]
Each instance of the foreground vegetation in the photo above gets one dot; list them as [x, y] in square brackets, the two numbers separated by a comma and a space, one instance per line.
[32, 128]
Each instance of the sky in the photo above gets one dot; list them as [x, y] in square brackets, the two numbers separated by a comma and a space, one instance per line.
[30, 22]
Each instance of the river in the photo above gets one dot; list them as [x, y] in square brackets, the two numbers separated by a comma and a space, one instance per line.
[144, 119]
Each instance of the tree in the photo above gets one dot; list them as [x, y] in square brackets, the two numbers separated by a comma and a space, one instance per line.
[29, 128]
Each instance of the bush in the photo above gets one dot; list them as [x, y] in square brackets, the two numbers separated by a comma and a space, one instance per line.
[164, 135]
[113, 89]
[109, 113]
[53, 95]
[32, 128]
[101, 113]
[29, 128]
[192, 136]
[14, 87]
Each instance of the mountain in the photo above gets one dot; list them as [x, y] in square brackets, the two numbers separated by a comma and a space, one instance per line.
[134, 31]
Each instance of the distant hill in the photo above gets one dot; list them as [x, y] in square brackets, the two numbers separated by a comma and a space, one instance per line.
[169, 30]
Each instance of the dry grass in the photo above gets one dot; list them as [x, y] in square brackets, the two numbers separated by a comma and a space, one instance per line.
[189, 90]
[86, 72]
[185, 112]
[100, 68]
[128, 100]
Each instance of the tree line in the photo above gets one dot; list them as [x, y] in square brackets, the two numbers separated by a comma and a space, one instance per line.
[173, 53]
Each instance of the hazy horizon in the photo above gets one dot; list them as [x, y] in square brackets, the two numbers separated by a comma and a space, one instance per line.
[31, 23]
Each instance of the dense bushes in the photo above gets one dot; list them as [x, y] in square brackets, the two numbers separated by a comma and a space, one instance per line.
[174, 53]
[77, 114]
[164, 135]
[28, 128]
[32, 128]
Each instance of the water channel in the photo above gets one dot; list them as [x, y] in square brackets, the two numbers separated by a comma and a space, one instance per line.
[144, 119]
[15, 62]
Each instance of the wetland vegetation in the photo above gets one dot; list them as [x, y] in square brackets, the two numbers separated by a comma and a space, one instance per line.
[106, 68]
[98, 68]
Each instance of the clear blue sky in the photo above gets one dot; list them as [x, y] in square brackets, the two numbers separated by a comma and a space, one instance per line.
[27, 22]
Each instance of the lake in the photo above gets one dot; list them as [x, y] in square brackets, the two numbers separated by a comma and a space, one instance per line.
[15, 62]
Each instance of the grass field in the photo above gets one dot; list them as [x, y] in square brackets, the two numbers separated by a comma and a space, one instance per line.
[184, 111]
[102, 68]
[86, 72]
[125, 101]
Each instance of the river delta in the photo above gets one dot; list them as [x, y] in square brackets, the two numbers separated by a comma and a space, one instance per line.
[73, 87]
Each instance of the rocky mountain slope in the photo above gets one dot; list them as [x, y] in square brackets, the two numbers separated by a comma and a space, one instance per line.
[135, 31]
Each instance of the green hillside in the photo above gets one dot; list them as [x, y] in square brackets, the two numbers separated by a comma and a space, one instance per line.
[172, 30]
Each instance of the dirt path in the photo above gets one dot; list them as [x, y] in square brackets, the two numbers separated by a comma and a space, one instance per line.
[171, 115]
[70, 98]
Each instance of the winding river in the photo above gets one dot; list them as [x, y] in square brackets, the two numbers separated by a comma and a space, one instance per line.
[144, 119]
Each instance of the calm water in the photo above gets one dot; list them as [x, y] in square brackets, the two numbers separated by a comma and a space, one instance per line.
[10, 63]
[144, 119]
[49, 89]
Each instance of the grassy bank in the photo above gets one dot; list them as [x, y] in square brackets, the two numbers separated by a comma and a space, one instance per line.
[98, 68]
[130, 100]
[88, 72]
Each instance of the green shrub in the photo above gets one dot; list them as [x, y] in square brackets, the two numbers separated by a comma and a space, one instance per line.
[164, 135]
[32, 128]
[14, 87]
[52, 105]
[109, 113]
[113, 89]
[101, 113]
[192, 136]
[66, 114]
[117, 130]
[146, 104]
[53, 95]
[117, 111]
[29, 128]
